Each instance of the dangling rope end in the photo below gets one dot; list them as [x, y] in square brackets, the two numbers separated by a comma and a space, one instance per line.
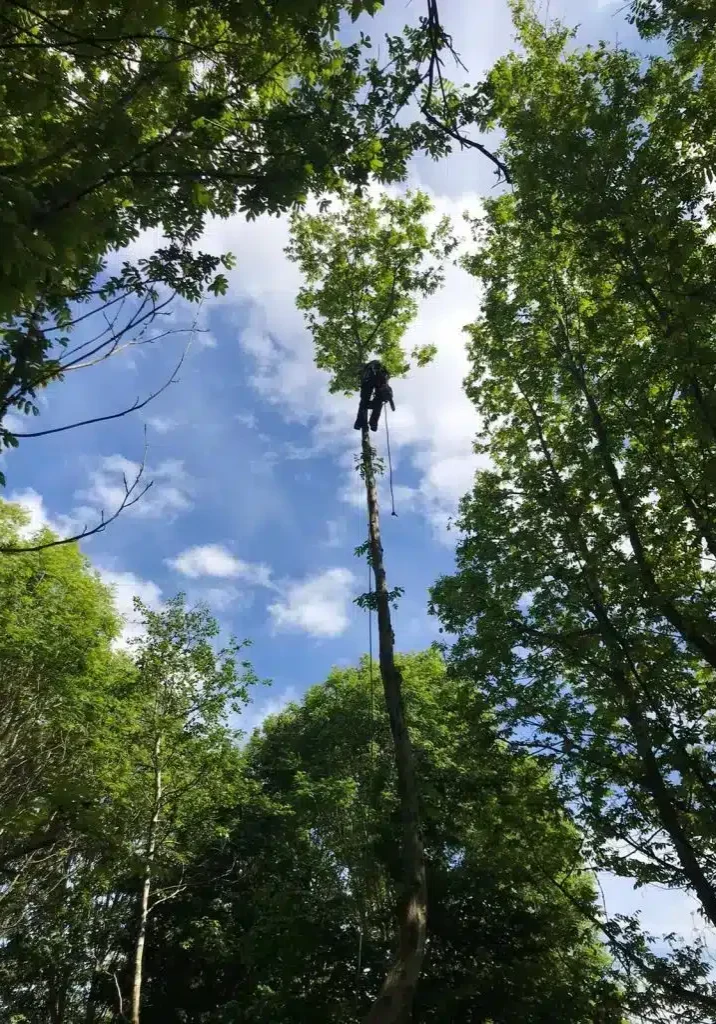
[390, 464]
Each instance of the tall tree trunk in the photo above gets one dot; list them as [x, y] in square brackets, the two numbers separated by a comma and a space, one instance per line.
[394, 1002]
[150, 851]
[91, 1004]
[57, 999]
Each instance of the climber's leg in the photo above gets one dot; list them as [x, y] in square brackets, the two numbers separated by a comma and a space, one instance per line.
[362, 417]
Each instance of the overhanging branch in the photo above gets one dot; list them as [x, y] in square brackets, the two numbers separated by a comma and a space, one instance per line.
[111, 416]
[440, 38]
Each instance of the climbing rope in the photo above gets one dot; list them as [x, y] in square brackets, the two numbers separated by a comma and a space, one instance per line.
[359, 966]
[364, 816]
[371, 683]
[390, 463]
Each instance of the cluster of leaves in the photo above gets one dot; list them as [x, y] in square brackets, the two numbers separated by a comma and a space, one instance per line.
[115, 119]
[369, 601]
[365, 266]
[585, 591]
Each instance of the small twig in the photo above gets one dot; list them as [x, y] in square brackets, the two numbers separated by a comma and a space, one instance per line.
[176, 890]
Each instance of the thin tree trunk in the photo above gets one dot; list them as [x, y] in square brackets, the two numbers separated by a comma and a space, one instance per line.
[394, 1002]
[57, 1001]
[695, 633]
[91, 1005]
[146, 885]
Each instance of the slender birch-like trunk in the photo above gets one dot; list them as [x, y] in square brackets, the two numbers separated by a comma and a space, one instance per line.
[150, 851]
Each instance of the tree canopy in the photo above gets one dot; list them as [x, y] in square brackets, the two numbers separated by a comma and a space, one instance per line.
[153, 868]
[116, 119]
[365, 265]
[300, 923]
[584, 593]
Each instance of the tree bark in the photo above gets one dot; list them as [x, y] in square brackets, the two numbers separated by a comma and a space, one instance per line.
[57, 996]
[150, 851]
[91, 1005]
[394, 1002]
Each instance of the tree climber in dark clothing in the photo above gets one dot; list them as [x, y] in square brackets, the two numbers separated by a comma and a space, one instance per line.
[375, 392]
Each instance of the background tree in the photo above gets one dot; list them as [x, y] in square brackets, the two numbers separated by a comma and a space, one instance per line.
[365, 267]
[55, 634]
[259, 884]
[117, 766]
[179, 749]
[584, 597]
[56, 673]
[295, 918]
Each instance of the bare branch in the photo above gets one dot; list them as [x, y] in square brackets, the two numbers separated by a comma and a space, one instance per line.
[120, 1002]
[171, 894]
[438, 36]
[136, 342]
[111, 416]
[141, 316]
[133, 492]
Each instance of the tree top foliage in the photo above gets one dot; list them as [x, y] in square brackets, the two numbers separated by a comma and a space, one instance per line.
[366, 264]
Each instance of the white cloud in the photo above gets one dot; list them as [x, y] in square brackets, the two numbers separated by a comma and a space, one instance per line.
[246, 419]
[255, 714]
[215, 560]
[167, 496]
[14, 423]
[335, 533]
[162, 424]
[34, 505]
[40, 518]
[222, 598]
[125, 587]
[318, 605]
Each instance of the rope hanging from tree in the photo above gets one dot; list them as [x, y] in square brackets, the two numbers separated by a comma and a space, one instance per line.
[390, 462]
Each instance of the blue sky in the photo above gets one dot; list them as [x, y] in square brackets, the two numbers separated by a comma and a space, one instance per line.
[256, 507]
